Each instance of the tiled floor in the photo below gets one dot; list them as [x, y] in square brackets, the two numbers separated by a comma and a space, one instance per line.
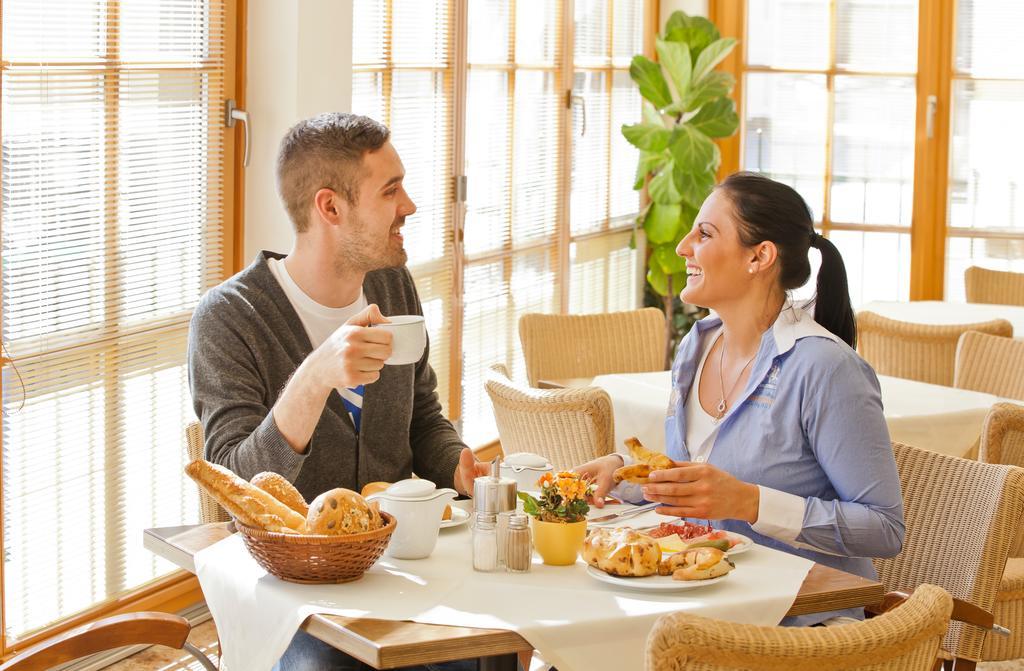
[159, 658]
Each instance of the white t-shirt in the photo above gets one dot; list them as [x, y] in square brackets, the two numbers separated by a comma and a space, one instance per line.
[700, 426]
[318, 320]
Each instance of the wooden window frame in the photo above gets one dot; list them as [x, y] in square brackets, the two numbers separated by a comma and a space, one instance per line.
[178, 589]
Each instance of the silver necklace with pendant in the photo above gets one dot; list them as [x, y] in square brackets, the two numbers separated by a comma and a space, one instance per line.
[722, 407]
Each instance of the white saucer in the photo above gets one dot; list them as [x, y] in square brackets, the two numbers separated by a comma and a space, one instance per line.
[459, 517]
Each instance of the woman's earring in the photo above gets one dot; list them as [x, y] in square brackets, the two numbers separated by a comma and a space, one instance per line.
[750, 270]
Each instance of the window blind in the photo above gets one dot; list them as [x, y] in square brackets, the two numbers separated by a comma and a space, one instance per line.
[113, 208]
[402, 62]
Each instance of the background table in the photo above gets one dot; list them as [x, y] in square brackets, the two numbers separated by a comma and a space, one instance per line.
[948, 312]
[386, 644]
[929, 416]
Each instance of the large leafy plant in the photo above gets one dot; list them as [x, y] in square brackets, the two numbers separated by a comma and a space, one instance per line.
[685, 105]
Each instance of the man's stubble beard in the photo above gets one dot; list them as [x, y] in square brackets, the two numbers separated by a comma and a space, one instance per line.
[354, 255]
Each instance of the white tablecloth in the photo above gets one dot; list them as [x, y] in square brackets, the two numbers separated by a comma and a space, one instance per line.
[574, 621]
[933, 417]
[948, 312]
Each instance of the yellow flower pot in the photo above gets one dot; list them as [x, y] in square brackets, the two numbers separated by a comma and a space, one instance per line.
[558, 544]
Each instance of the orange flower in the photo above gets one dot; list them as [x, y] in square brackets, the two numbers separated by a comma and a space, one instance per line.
[545, 480]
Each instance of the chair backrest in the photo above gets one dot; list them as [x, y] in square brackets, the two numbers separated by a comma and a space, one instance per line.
[567, 426]
[209, 509]
[1002, 442]
[565, 346]
[961, 518]
[994, 286]
[924, 352]
[904, 639]
[116, 631]
[992, 364]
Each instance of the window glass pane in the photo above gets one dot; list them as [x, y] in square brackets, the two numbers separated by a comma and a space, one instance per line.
[168, 30]
[876, 35]
[788, 33]
[368, 47]
[988, 42]
[488, 33]
[963, 252]
[877, 265]
[535, 161]
[605, 274]
[873, 150]
[986, 180]
[488, 160]
[56, 30]
[589, 201]
[538, 32]
[368, 95]
[627, 31]
[419, 32]
[591, 34]
[784, 136]
[625, 202]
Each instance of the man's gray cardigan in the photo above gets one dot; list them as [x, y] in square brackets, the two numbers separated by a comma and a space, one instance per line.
[246, 340]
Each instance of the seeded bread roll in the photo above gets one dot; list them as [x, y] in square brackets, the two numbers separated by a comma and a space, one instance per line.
[341, 511]
[278, 486]
[247, 503]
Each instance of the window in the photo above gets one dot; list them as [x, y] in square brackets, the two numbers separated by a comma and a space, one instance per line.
[890, 124]
[507, 116]
[115, 166]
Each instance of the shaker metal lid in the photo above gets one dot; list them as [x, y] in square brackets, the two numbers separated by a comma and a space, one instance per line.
[493, 493]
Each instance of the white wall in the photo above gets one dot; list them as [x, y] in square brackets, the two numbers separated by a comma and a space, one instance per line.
[299, 63]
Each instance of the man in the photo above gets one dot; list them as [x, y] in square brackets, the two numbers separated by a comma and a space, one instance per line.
[287, 374]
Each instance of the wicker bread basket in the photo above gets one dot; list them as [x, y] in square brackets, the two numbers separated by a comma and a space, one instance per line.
[316, 559]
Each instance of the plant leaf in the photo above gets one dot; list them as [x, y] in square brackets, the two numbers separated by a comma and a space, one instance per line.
[714, 85]
[662, 187]
[711, 56]
[695, 187]
[675, 59]
[658, 280]
[530, 505]
[666, 257]
[647, 75]
[662, 223]
[647, 136]
[695, 31]
[692, 150]
[646, 164]
[717, 118]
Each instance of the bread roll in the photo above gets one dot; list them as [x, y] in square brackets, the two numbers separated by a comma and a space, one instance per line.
[656, 460]
[637, 473]
[281, 489]
[373, 488]
[697, 564]
[622, 552]
[341, 511]
[247, 503]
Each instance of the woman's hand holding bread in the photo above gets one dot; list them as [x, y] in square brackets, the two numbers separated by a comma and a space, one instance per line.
[702, 491]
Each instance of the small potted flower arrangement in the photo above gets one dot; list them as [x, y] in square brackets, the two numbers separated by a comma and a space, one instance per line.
[559, 516]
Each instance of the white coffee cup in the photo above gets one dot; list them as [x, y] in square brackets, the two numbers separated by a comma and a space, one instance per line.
[409, 338]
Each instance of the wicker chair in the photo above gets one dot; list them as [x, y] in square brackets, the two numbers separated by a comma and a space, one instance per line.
[565, 346]
[567, 426]
[116, 631]
[1002, 442]
[209, 509]
[990, 364]
[961, 518]
[994, 286]
[905, 638]
[924, 352]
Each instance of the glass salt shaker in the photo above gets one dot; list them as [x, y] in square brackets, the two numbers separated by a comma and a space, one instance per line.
[518, 546]
[485, 543]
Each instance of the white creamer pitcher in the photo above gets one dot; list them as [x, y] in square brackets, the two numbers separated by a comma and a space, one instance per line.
[417, 505]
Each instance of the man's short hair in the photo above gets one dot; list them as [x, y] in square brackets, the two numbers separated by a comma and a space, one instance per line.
[324, 151]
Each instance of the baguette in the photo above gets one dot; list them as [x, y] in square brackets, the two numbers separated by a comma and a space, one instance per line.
[637, 473]
[656, 460]
[278, 486]
[247, 503]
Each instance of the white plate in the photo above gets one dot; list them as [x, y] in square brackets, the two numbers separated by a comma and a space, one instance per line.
[651, 583]
[741, 547]
[459, 517]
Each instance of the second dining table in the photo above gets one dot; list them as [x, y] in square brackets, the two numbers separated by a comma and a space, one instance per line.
[928, 416]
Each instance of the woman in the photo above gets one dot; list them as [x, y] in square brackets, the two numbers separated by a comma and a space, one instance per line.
[775, 423]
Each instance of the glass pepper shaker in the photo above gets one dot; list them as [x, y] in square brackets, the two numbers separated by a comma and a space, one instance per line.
[518, 545]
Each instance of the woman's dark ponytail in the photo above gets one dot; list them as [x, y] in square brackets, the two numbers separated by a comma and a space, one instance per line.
[832, 307]
[770, 210]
